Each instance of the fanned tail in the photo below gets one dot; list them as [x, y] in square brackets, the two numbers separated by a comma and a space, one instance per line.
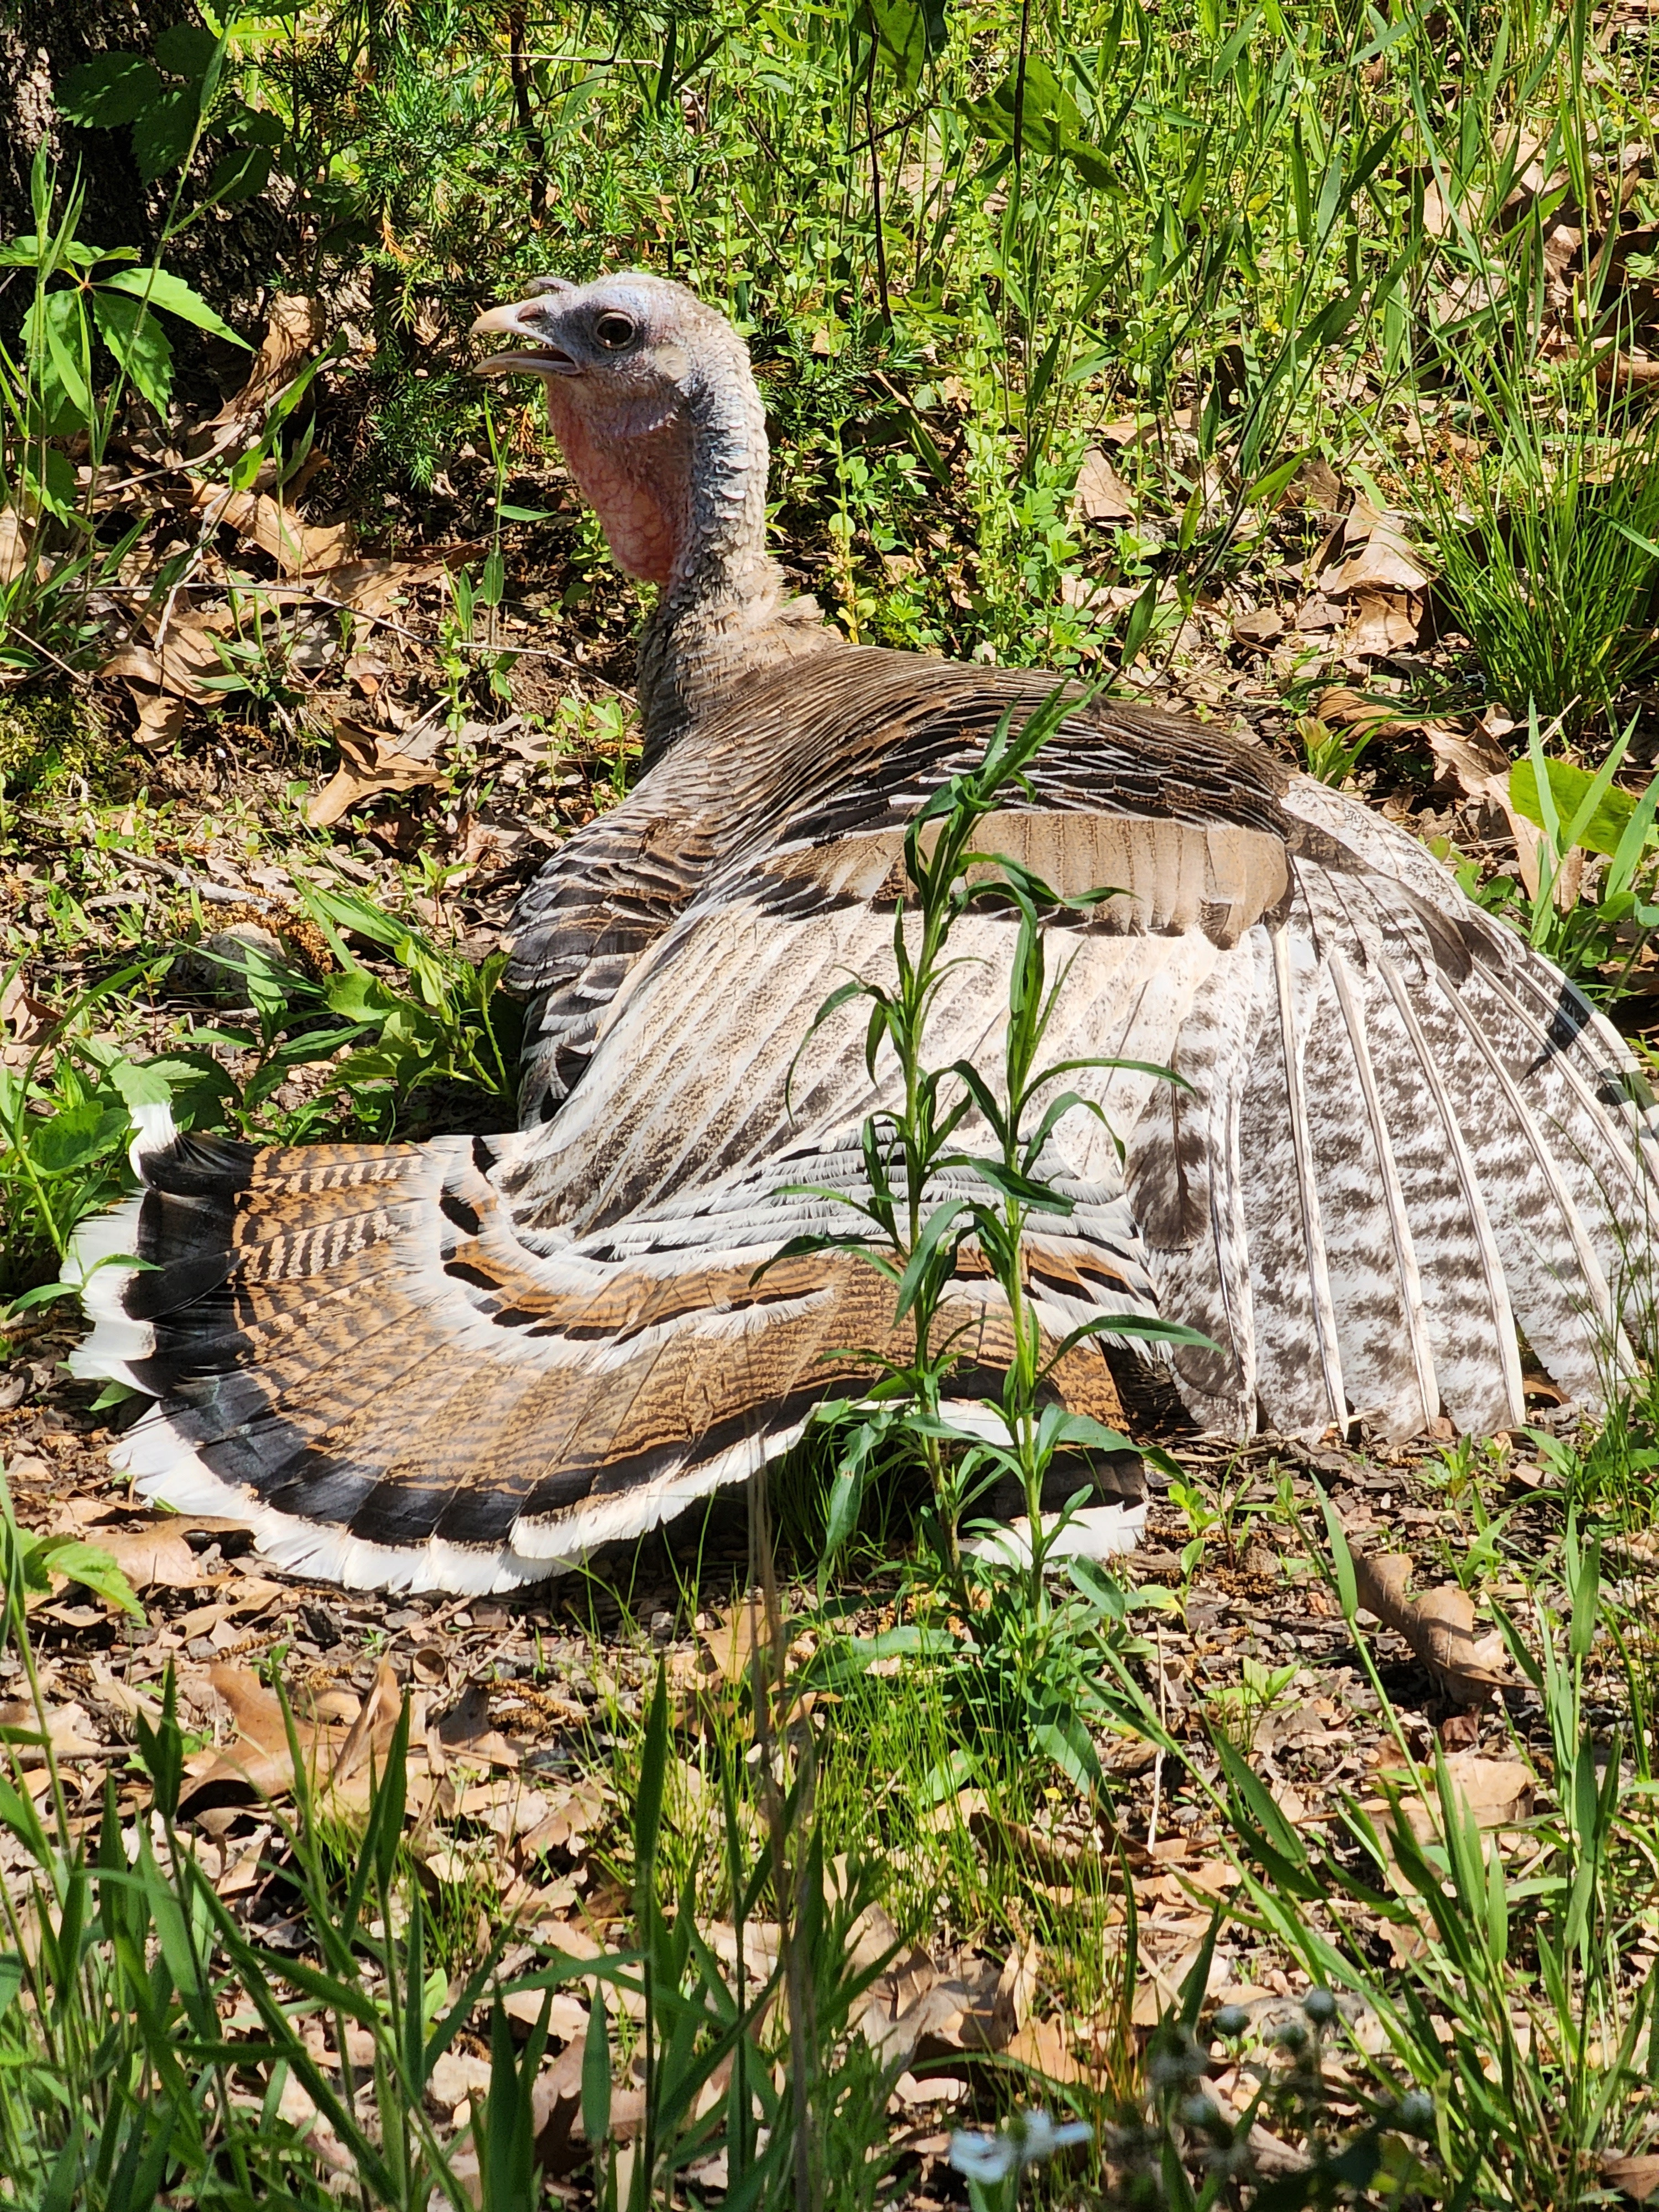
[357, 1353]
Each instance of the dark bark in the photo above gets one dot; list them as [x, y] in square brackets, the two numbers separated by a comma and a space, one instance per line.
[40, 41]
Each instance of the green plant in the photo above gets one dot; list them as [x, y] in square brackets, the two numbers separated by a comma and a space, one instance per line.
[1517, 2009]
[1586, 895]
[1550, 566]
[1238, 1708]
[1030, 1672]
[1331, 755]
[89, 307]
[39, 1558]
[173, 103]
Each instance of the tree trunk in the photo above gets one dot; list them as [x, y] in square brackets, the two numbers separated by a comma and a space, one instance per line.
[40, 41]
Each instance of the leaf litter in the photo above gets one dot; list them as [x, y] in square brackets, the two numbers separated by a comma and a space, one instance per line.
[512, 1814]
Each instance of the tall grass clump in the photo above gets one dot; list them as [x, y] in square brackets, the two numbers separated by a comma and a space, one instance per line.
[1546, 546]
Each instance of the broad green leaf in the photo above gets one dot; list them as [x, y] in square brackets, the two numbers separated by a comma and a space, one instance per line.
[164, 133]
[1068, 1743]
[95, 1569]
[172, 292]
[1568, 786]
[54, 486]
[134, 335]
[53, 325]
[186, 50]
[907, 34]
[141, 1082]
[108, 90]
[73, 1138]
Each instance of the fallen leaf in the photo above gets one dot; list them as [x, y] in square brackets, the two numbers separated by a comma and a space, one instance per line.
[567, 2016]
[14, 540]
[370, 764]
[1497, 1791]
[730, 1642]
[152, 1557]
[26, 1022]
[293, 331]
[465, 1731]
[1635, 2176]
[1439, 1626]
[1316, 485]
[1260, 626]
[1377, 556]
[1382, 623]
[1045, 2046]
[161, 718]
[299, 549]
[68, 1727]
[1102, 494]
[259, 1757]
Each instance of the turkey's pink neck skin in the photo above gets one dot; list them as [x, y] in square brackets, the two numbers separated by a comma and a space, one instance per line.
[639, 484]
[678, 481]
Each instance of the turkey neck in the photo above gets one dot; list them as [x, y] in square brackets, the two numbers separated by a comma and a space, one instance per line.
[726, 611]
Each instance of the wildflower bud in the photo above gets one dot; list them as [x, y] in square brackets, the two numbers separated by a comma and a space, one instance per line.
[1416, 2112]
[1230, 2021]
[1319, 2006]
[1291, 2037]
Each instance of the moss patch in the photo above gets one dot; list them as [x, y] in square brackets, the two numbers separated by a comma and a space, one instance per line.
[47, 741]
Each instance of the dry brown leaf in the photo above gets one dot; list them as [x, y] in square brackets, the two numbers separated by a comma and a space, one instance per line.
[26, 1022]
[1637, 1553]
[370, 765]
[1102, 494]
[568, 1821]
[179, 660]
[1260, 626]
[1046, 2046]
[1498, 1792]
[730, 1642]
[1481, 767]
[259, 1757]
[1635, 2176]
[161, 717]
[1159, 1990]
[69, 1729]
[373, 588]
[1316, 485]
[1382, 623]
[299, 549]
[152, 1558]
[1377, 556]
[14, 545]
[294, 331]
[567, 2016]
[465, 1732]
[369, 1738]
[1440, 1627]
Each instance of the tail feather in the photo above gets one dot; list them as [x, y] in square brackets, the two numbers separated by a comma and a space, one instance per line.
[392, 1387]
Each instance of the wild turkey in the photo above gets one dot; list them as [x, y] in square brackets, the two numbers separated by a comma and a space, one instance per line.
[459, 1363]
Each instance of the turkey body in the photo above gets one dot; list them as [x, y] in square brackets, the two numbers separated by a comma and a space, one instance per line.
[462, 1363]
[1400, 1137]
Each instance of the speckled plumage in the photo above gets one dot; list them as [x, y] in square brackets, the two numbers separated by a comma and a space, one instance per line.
[1400, 1134]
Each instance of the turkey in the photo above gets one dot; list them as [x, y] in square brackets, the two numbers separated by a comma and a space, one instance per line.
[1403, 1142]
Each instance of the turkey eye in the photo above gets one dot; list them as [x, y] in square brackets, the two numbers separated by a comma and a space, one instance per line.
[614, 331]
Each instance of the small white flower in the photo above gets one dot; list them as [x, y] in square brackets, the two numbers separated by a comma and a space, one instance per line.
[1028, 2139]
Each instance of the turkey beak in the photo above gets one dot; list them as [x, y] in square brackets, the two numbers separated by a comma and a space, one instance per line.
[519, 320]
